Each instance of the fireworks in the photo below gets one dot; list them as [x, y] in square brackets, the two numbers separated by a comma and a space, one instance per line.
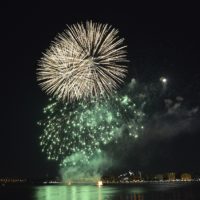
[86, 60]
[82, 130]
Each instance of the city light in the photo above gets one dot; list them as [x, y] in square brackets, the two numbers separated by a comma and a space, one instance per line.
[99, 183]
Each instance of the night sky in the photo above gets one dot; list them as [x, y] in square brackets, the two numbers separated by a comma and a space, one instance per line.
[162, 40]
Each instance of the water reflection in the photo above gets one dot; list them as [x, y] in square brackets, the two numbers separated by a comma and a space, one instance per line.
[71, 193]
[92, 192]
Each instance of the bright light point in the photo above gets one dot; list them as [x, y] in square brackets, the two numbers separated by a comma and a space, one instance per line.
[136, 136]
[163, 80]
[99, 183]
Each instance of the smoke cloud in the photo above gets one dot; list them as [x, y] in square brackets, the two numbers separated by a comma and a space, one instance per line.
[89, 172]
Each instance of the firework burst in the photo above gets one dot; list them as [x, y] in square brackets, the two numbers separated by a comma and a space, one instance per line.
[71, 130]
[86, 60]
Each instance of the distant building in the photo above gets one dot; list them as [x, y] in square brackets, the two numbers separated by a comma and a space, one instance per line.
[12, 180]
[158, 177]
[186, 177]
[171, 176]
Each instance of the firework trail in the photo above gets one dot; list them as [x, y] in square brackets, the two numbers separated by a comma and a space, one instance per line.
[86, 60]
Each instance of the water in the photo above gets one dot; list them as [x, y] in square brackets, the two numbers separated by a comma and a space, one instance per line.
[170, 191]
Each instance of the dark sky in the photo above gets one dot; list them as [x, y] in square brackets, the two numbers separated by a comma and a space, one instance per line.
[162, 40]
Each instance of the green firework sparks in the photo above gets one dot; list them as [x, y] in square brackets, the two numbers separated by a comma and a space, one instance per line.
[82, 128]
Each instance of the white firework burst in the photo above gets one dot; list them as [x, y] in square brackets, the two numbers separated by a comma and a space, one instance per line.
[86, 60]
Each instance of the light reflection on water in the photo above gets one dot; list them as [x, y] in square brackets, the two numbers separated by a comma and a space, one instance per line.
[172, 191]
[92, 192]
[87, 192]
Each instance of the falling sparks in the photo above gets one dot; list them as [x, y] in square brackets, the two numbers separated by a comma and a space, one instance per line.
[84, 129]
[86, 60]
